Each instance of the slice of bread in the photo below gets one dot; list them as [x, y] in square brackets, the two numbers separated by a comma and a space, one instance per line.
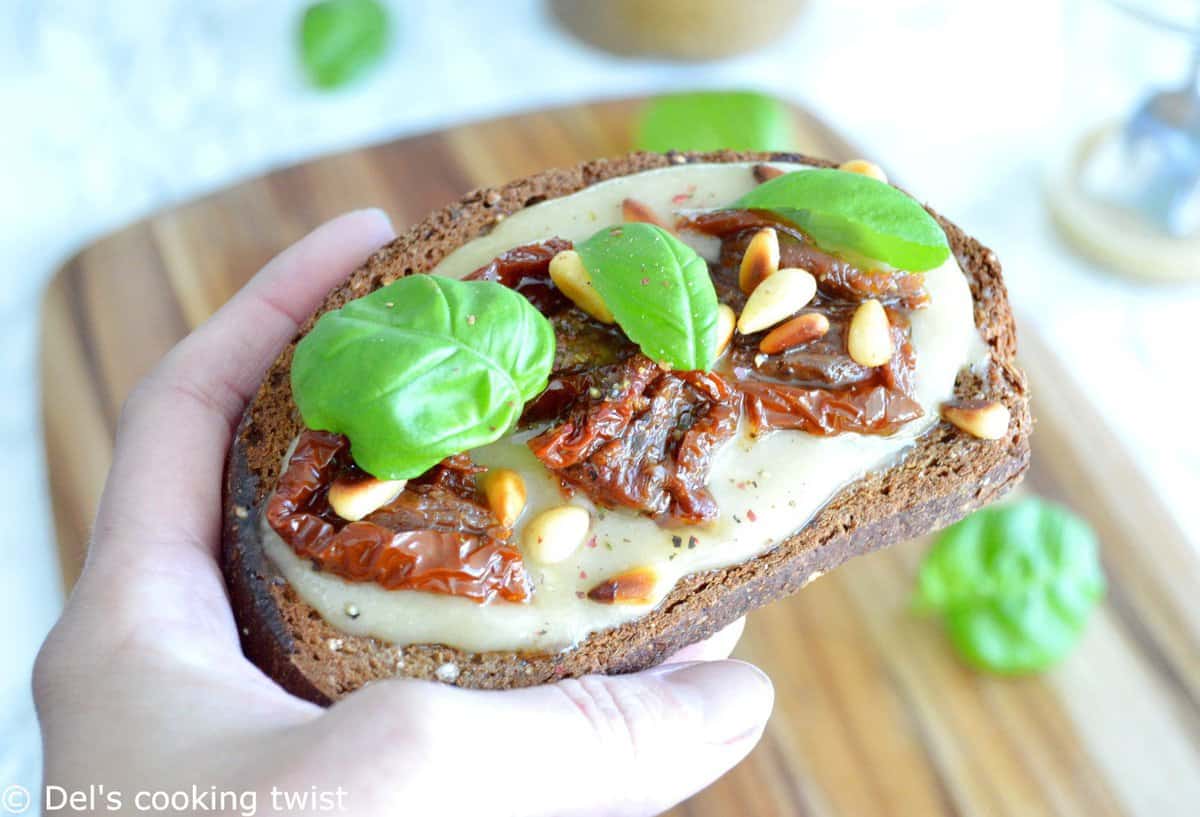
[945, 476]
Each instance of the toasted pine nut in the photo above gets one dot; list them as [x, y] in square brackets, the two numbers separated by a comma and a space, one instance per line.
[779, 297]
[726, 321]
[760, 261]
[570, 276]
[631, 587]
[869, 338]
[864, 168]
[634, 210]
[985, 419]
[353, 499]
[505, 492]
[553, 535]
[764, 173]
[799, 330]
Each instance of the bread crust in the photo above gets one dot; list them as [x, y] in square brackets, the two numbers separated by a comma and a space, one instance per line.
[945, 476]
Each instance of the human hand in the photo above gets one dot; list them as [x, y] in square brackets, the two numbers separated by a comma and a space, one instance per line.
[142, 685]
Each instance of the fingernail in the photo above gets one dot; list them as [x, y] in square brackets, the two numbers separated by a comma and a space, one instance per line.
[734, 697]
[381, 214]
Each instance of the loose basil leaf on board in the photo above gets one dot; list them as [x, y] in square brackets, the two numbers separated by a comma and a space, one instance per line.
[1014, 584]
[339, 39]
[421, 369]
[659, 291]
[849, 211]
[715, 120]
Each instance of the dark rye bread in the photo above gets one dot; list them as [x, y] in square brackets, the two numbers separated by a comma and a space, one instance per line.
[946, 475]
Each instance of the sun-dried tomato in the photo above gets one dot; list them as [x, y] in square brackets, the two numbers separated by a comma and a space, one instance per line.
[435, 536]
[639, 437]
[527, 270]
[836, 276]
[878, 403]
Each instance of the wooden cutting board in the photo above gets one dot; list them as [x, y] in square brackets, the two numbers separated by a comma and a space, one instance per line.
[873, 715]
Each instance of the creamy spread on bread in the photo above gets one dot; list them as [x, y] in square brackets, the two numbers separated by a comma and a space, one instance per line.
[765, 486]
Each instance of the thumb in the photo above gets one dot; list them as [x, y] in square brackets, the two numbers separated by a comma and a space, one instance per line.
[620, 745]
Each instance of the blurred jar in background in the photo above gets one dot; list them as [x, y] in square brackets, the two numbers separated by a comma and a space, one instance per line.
[677, 29]
[1125, 191]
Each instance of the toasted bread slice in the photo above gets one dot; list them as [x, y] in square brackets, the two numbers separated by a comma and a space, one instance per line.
[944, 476]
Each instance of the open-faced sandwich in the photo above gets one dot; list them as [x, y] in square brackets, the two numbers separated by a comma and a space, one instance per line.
[578, 422]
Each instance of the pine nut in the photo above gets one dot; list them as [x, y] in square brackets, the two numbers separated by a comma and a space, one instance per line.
[726, 321]
[796, 332]
[777, 298]
[504, 490]
[760, 261]
[764, 173]
[634, 210]
[569, 275]
[631, 587]
[864, 168]
[553, 535]
[869, 338]
[353, 499]
[985, 419]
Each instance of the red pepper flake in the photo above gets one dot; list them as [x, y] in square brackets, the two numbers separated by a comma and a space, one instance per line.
[592, 542]
[645, 282]
[579, 594]
[560, 670]
[680, 198]
[583, 574]
[751, 515]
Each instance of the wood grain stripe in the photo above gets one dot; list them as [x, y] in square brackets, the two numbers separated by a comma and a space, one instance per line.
[946, 798]
[85, 337]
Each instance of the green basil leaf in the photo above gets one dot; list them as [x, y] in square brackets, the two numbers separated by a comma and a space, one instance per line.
[421, 369]
[1015, 585]
[715, 120]
[659, 291]
[850, 211]
[339, 39]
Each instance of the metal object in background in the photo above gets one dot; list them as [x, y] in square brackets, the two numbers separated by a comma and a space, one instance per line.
[1162, 141]
[1128, 195]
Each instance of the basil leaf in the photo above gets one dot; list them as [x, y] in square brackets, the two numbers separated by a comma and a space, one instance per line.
[339, 39]
[421, 369]
[850, 211]
[659, 291]
[715, 120]
[1015, 585]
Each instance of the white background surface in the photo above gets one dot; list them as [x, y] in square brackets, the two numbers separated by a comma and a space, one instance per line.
[114, 109]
